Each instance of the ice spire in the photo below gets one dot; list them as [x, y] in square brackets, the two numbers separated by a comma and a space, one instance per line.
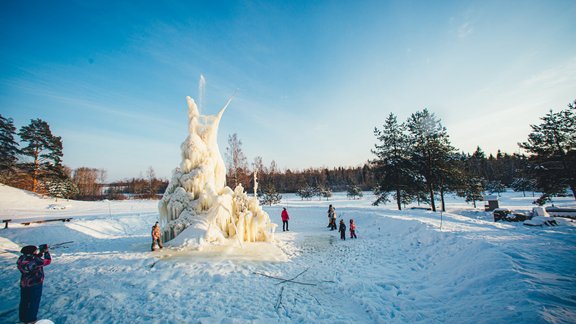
[197, 206]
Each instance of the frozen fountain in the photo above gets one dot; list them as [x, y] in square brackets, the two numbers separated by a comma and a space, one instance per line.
[197, 206]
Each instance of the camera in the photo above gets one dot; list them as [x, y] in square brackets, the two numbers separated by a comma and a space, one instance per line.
[42, 248]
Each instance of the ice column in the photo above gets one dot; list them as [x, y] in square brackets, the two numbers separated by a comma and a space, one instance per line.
[197, 206]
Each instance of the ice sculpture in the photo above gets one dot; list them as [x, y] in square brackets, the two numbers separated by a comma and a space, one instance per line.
[197, 206]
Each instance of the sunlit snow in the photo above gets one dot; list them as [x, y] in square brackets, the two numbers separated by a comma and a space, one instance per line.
[406, 266]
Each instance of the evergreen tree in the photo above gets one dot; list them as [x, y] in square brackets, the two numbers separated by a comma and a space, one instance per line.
[8, 148]
[450, 175]
[472, 191]
[269, 195]
[553, 147]
[523, 184]
[431, 150]
[477, 164]
[60, 184]
[354, 191]
[306, 192]
[325, 192]
[45, 150]
[495, 186]
[392, 166]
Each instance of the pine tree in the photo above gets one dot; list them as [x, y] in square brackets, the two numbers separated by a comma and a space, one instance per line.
[325, 192]
[553, 147]
[472, 190]
[477, 164]
[392, 166]
[305, 192]
[354, 192]
[60, 184]
[44, 148]
[450, 175]
[523, 184]
[269, 195]
[495, 186]
[8, 148]
[431, 150]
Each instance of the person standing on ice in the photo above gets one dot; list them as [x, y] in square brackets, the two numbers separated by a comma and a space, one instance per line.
[342, 230]
[285, 219]
[330, 215]
[31, 266]
[156, 236]
[352, 229]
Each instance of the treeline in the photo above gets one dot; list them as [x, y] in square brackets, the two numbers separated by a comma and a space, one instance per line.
[413, 161]
[149, 187]
[335, 179]
[34, 163]
[307, 183]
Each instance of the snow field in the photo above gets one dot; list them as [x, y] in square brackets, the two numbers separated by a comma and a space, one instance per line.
[402, 268]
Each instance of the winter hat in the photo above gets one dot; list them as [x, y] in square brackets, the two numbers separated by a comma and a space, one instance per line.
[29, 249]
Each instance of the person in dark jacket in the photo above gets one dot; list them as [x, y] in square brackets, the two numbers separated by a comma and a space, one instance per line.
[31, 265]
[342, 230]
[285, 219]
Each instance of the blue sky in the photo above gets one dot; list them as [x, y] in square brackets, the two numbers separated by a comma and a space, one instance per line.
[313, 77]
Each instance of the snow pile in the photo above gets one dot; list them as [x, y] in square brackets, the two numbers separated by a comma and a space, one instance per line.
[197, 207]
[541, 221]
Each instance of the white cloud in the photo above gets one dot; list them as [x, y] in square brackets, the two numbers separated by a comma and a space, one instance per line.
[563, 75]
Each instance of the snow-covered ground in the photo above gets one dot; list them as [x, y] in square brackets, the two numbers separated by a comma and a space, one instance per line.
[405, 266]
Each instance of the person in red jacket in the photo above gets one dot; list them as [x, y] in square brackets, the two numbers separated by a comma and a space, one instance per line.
[352, 229]
[285, 219]
[31, 266]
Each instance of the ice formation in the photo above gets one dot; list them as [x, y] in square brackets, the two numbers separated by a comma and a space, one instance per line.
[197, 206]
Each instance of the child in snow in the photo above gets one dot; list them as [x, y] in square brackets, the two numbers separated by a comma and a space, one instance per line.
[342, 230]
[31, 265]
[352, 229]
[156, 236]
[285, 219]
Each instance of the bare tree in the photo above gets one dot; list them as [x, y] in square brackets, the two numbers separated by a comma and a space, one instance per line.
[86, 181]
[102, 175]
[236, 161]
[258, 165]
[151, 177]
